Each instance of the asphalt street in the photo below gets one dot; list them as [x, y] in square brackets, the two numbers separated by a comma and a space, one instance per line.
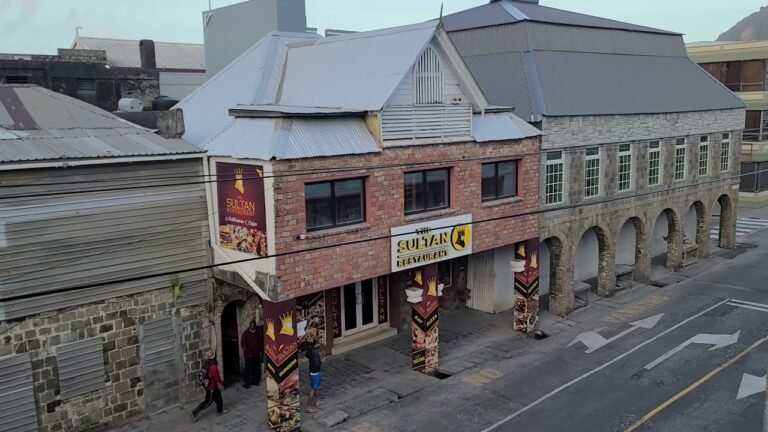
[689, 357]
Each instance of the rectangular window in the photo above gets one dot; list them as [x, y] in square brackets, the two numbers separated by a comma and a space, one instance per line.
[654, 163]
[625, 167]
[592, 172]
[704, 156]
[334, 203]
[680, 150]
[427, 190]
[499, 180]
[725, 153]
[554, 178]
[86, 85]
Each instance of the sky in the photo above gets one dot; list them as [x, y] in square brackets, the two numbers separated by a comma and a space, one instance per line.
[42, 26]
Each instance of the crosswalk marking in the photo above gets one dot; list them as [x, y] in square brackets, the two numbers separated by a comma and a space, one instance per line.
[744, 226]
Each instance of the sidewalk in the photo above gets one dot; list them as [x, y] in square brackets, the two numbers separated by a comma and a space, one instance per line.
[359, 381]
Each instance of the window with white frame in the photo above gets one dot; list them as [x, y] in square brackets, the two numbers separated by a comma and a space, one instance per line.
[592, 172]
[554, 178]
[428, 78]
[680, 150]
[725, 153]
[625, 167]
[654, 163]
[704, 156]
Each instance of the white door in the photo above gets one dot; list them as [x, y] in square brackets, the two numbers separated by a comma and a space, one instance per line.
[358, 305]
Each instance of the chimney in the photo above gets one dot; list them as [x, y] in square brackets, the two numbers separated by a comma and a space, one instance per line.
[147, 54]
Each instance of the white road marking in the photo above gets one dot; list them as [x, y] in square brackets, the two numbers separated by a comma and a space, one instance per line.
[762, 305]
[748, 307]
[751, 385]
[594, 341]
[718, 340]
[744, 227]
[599, 368]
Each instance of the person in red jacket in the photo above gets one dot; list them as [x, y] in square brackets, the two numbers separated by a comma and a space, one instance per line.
[212, 392]
[250, 341]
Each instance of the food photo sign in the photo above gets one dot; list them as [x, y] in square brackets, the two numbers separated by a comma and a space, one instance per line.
[282, 365]
[242, 213]
[424, 321]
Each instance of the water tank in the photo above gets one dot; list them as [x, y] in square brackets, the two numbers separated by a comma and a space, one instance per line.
[163, 103]
[130, 105]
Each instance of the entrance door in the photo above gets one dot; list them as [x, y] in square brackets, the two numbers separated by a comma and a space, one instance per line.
[359, 306]
[230, 346]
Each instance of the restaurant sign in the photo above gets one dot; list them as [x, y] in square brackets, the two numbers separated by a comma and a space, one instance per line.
[430, 242]
[242, 213]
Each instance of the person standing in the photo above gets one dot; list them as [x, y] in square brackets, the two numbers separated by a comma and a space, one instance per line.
[315, 366]
[211, 380]
[251, 344]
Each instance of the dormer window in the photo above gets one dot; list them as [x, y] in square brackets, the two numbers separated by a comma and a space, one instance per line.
[428, 77]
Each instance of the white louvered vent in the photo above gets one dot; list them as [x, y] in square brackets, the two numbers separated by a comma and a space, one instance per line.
[425, 122]
[428, 77]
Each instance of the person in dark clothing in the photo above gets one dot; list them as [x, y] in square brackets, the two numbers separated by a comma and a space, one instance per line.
[212, 392]
[251, 344]
[315, 366]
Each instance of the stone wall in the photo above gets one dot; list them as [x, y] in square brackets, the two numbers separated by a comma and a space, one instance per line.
[309, 272]
[117, 322]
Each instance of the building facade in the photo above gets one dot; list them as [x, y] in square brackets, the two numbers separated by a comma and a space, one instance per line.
[96, 329]
[640, 147]
[741, 66]
[376, 183]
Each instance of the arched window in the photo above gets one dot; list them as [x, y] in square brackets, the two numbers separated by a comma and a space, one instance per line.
[428, 77]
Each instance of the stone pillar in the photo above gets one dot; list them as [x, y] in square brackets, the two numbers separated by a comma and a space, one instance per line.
[424, 315]
[282, 365]
[526, 308]
[642, 270]
[727, 223]
[562, 298]
[606, 271]
[703, 225]
[674, 245]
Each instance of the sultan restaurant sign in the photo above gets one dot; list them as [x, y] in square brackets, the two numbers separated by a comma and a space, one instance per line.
[430, 242]
[242, 213]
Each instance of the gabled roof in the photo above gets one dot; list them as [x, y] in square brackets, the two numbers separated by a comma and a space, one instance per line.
[37, 124]
[581, 65]
[125, 53]
[510, 11]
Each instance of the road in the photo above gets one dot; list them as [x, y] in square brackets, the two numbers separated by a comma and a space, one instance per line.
[681, 369]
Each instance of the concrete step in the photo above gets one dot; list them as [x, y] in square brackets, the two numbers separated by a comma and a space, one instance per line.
[363, 338]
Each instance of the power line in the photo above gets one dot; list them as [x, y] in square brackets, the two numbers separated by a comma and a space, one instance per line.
[286, 173]
[359, 241]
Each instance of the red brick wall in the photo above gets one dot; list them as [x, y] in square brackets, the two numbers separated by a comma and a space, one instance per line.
[308, 272]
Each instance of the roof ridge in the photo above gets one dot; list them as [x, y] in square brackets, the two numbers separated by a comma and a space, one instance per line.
[377, 32]
[138, 40]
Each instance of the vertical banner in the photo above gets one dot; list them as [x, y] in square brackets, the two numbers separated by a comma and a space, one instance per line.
[282, 366]
[424, 321]
[383, 298]
[242, 212]
[527, 286]
[334, 301]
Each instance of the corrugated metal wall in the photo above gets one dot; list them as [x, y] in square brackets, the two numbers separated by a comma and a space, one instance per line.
[17, 398]
[480, 281]
[54, 242]
[162, 376]
[81, 367]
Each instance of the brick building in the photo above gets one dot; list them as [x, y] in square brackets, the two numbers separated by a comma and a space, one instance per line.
[91, 212]
[376, 165]
[641, 147]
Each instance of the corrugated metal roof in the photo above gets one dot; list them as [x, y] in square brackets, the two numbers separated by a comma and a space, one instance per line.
[343, 67]
[508, 11]
[125, 53]
[501, 127]
[292, 110]
[67, 128]
[281, 138]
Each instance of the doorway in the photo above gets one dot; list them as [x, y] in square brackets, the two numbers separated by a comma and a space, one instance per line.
[230, 346]
[358, 305]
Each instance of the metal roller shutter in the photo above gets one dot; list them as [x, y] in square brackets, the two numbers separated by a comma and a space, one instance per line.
[17, 399]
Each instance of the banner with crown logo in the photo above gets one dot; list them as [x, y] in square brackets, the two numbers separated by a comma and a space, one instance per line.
[282, 365]
[526, 307]
[430, 242]
[424, 320]
[242, 213]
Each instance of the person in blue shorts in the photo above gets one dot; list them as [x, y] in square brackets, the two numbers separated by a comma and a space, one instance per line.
[315, 366]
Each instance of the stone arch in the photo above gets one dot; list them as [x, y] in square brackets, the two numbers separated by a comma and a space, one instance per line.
[701, 228]
[727, 231]
[606, 258]
[249, 307]
[672, 236]
[561, 296]
[637, 254]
